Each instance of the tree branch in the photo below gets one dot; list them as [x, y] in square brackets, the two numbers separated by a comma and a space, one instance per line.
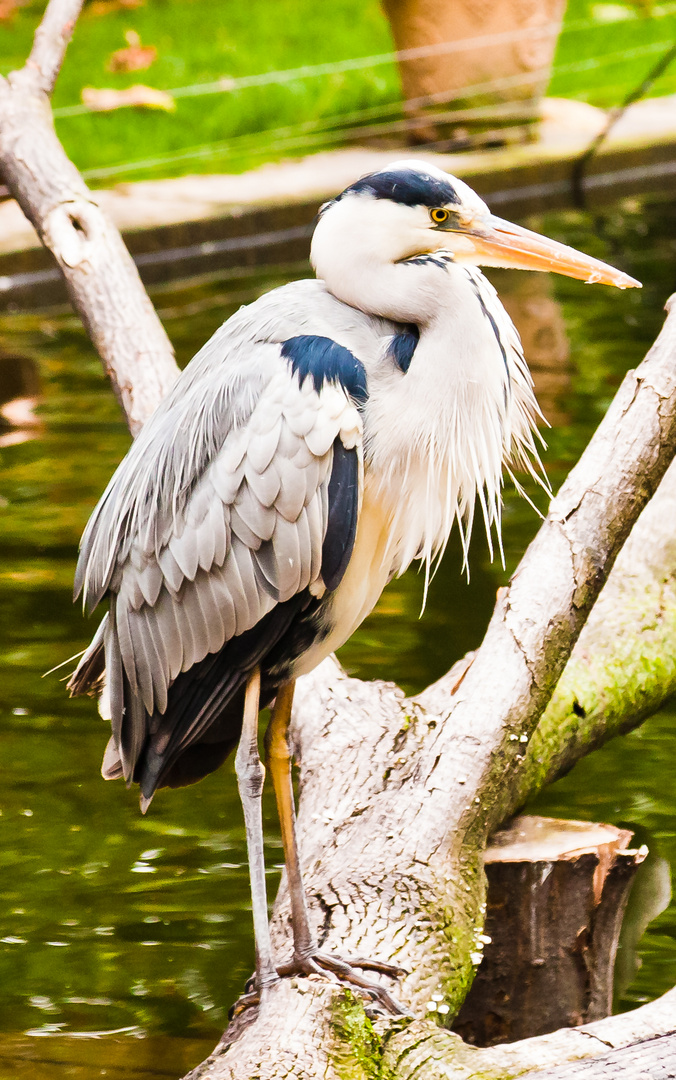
[51, 41]
[623, 667]
[103, 283]
[424, 1051]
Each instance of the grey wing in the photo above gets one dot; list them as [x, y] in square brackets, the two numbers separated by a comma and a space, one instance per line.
[190, 566]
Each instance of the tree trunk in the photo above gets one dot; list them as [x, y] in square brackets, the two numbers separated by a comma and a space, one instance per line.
[492, 61]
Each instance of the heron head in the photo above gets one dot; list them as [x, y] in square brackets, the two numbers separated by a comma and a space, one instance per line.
[411, 209]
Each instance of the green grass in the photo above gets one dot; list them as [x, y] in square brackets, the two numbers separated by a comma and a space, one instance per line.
[202, 40]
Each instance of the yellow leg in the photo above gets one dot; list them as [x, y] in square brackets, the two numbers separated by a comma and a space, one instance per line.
[279, 763]
[306, 957]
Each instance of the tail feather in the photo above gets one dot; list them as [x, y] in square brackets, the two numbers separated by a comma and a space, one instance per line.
[89, 675]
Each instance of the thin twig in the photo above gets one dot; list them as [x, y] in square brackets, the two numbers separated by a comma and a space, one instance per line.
[614, 116]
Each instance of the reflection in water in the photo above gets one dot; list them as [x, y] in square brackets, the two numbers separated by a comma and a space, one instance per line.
[110, 921]
[537, 315]
[651, 895]
[85, 1055]
[19, 395]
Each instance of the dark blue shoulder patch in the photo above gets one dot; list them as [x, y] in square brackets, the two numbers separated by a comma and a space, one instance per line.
[325, 360]
[403, 345]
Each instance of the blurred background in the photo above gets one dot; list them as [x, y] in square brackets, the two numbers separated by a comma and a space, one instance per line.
[231, 85]
[124, 939]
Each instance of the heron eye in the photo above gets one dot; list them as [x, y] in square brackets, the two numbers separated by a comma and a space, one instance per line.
[439, 216]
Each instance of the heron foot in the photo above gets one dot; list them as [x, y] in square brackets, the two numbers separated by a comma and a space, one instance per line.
[343, 970]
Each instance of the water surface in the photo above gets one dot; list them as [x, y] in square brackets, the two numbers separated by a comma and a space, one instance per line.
[124, 938]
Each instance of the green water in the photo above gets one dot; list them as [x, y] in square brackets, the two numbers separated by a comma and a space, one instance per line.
[138, 929]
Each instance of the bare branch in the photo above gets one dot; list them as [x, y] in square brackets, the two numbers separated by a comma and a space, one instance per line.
[423, 1051]
[623, 667]
[51, 40]
[103, 282]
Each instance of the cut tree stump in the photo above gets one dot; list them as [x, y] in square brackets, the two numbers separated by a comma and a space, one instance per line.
[557, 891]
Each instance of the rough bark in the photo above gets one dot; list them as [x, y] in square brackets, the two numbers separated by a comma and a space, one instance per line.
[623, 666]
[103, 283]
[420, 1051]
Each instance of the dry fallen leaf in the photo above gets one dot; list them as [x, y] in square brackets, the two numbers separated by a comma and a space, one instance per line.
[140, 96]
[7, 9]
[136, 57]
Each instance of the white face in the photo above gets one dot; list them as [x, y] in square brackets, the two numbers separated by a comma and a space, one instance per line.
[389, 230]
[412, 208]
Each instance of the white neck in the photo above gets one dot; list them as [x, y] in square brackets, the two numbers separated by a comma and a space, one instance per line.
[358, 248]
[436, 437]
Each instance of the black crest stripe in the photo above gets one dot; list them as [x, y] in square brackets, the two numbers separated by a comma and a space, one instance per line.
[405, 186]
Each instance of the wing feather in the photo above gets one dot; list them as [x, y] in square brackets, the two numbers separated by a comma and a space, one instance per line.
[126, 644]
[148, 665]
[262, 447]
[198, 552]
[161, 643]
[219, 526]
[166, 614]
[293, 490]
[241, 530]
[226, 602]
[265, 485]
[150, 582]
[185, 550]
[171, 571]
[260, 519]
[304, 538]
[316, 520]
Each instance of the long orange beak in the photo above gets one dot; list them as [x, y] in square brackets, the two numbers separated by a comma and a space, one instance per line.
[500, 243]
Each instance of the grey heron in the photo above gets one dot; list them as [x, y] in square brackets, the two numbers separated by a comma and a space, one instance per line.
[324, 438]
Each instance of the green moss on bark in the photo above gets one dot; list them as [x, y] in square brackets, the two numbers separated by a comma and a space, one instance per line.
[621, 671]
[358, 1048]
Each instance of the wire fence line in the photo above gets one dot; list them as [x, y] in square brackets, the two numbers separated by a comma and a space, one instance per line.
[345, 126]
[228, 84]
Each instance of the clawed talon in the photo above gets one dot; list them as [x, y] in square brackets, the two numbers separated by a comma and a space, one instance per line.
[344, 971]
[338, 969]
[377, 965]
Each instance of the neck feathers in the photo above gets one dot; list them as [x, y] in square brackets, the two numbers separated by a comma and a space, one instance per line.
[438, 437]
